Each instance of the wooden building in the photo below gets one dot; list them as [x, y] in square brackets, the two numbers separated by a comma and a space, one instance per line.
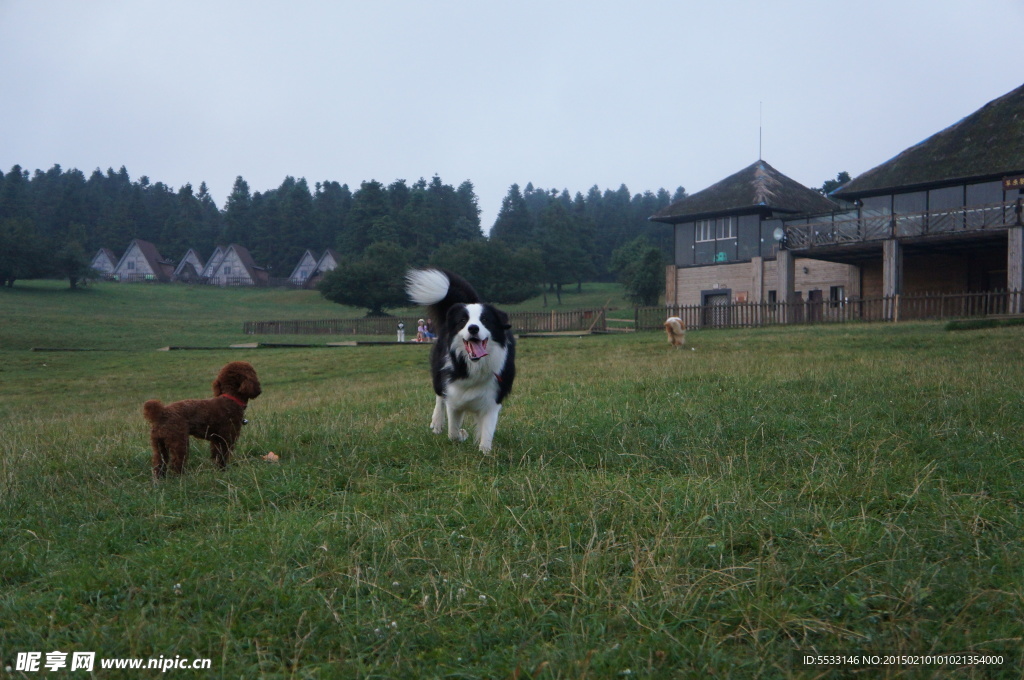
[327, 262]
[238, 269]
[190, 269]
[943, 216]
[304, 269]
[213, 263]
[725, 248]
[143, 262]
[104, 262]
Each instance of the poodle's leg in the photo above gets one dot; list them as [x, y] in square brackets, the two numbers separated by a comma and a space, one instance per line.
[178, 449]
[160, 455]
[220, 451]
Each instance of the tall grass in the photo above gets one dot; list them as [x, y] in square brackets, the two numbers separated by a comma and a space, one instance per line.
[647, 512]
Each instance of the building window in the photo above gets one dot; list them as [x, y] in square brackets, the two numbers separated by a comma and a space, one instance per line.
[227, 271]
[129, 265]
[726, 227]
[772, 297]
[836, 295]
[705, 230]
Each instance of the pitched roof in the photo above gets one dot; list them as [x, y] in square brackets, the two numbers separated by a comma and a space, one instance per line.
[107, 253]
[161, 267]
[756, 188]
[194, 261]
[328, 261]
[255, 273]
[308, 259]
[214, 262]
[989, 143]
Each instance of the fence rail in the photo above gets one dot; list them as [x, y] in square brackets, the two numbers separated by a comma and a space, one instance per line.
[935, 306]
[522, 322]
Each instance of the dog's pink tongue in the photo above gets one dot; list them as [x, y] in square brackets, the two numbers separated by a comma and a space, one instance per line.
[476, 349]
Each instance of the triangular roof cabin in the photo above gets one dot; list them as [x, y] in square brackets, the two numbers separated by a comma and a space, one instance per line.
[104, 261]
[190, 268]
[327, 262]
[142, 262]
[304, 269]
[214, 262]
[238, 269]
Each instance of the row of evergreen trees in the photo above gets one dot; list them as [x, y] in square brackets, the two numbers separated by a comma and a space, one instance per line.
[63, 211]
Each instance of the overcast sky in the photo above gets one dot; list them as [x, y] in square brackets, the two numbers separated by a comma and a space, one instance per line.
[566, 95]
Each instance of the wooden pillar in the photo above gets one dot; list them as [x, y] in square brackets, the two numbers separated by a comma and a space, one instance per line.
[757, 280]
[671, 292]
[892, 277]
[786, 273]
[756, 289]
[1015, 268]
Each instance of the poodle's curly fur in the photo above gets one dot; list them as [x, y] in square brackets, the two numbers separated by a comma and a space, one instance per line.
[218, 420]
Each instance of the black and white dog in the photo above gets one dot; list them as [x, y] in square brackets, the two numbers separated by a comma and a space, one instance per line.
[473, 359]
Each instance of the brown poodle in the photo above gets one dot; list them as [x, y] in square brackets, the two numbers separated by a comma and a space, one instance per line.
[218, 420]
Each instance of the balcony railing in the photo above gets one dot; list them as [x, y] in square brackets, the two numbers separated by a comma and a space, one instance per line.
[882, 227]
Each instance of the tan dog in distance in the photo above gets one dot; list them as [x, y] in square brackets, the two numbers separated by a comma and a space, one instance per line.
[675, 329]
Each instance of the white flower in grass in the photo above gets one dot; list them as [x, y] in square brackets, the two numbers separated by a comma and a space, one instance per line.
[177, 589]
[483, 598]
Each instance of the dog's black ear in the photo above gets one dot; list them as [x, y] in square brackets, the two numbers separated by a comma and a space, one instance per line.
[454, 312]
[503, 318]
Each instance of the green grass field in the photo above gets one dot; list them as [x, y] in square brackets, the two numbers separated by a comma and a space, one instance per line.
[716, 512]
[141, 316]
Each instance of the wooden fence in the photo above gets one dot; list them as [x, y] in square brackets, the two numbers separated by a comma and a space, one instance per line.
[522, 322]
[893, 308]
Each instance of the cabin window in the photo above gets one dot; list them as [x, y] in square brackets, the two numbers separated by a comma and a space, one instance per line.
[772, 297]
[726, 227]
[705, 230]
[129, 265]
[227, 271]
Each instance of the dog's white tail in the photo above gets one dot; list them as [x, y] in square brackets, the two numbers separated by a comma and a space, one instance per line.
[426, 286]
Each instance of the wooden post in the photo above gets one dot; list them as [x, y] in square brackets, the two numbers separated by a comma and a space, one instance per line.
[1015, 268]
[757, 289]
[786, 276]
[671, 292]
[892, 276]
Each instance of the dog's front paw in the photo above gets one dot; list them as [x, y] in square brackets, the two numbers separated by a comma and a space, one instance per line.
[458, 435]
[437, 429]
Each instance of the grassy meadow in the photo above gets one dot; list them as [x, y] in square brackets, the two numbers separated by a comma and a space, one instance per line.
[719, 511]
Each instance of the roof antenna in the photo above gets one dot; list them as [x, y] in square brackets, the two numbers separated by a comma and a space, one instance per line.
[759, 131]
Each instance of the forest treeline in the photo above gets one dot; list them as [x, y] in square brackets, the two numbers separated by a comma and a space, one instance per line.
[50, 220]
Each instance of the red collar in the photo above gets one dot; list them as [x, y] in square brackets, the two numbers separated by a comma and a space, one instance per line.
[234, 399]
